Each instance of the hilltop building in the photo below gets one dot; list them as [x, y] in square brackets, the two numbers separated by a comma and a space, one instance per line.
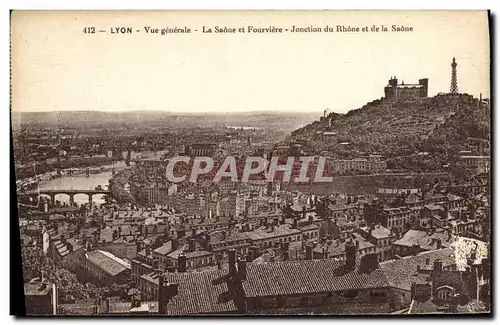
[406, 91]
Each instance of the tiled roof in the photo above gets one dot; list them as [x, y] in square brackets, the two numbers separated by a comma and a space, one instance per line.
[427, 241]
[340, 206]
[402, 272]
[378, 231]
[63, 248]
[164, 249]
[434, 207]
[281, 230]
[337, 247]
[107, 262]
[429, 307]
[308, 276]
[392, 211]
[199, 292]
[231, 236]
[308, 227]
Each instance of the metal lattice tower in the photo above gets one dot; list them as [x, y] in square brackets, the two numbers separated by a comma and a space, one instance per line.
[454, 86]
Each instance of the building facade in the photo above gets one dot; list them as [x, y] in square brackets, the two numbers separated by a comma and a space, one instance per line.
[406, 91]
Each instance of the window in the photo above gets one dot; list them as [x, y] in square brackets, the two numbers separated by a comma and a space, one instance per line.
[444, 294]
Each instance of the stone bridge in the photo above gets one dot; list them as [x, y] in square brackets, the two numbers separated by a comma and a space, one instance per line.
[71, 193]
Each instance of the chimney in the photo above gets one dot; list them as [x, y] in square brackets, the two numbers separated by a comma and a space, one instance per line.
[285, 256]
[181, 262]
[303, 212]
[231, 255]
[311, 219]
[219, 264]
[369, 262]
[438, 265]
[208, 246]
[192, 244]
[427, 261]
[148, 249]
[486, 266]
[254, 251]
[285, 246]
[295, 223]
[350, 254]
[106, 306]
[372, 227]
[415, 249]
[439, 244]
[309, 252]
[283, 219]
[138, 246]
[242, 268]
[156, 264]
[174, 244]
[162, 304]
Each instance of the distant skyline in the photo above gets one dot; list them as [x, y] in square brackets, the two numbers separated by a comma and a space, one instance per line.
[56, 67]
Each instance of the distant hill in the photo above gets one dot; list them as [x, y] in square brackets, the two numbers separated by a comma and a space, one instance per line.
[441, 126]
[289, 120]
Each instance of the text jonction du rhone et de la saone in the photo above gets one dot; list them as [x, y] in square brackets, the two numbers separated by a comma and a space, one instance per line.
[250, 29]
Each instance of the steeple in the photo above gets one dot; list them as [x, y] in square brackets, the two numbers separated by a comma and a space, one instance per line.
[454, 86]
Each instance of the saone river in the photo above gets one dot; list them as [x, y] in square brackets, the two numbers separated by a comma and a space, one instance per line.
[82, 182]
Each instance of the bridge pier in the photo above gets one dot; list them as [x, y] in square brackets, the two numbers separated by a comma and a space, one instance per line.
[52, 199]
[90, 201]
[71, 199]
[35, 198]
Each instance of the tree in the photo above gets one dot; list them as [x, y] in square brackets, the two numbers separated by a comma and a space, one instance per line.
[68, 286]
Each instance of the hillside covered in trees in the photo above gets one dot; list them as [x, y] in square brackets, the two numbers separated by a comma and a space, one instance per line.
[424, 134]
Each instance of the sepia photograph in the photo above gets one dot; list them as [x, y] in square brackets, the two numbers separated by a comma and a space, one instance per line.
[228, 163]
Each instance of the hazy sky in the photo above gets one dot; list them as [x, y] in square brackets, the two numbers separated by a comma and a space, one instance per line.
[55, 66]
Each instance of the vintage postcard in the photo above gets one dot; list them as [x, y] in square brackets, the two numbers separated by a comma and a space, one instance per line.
[192, 163]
